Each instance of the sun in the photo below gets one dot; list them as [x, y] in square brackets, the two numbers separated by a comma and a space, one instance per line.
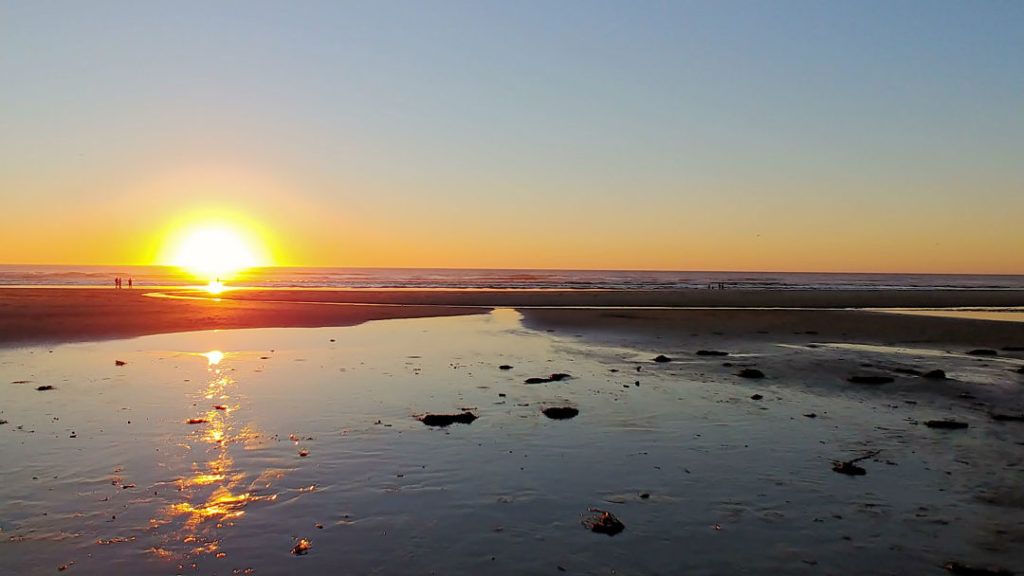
[214, 253]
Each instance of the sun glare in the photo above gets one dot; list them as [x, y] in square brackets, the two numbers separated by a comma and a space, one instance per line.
[214, 253]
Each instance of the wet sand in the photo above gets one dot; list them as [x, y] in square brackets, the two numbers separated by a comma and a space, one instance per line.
[53, 315]
[218, 452]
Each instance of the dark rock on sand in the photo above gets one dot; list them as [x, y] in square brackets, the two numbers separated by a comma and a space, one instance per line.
[604, 523]
[556, 377]
[850, 468]
[756, 397]
[448, 419]
[871, 379]
[504, 367]
[810, 415]
[968, 570]
[982, 352]
[750, 373]
[946, 424]
[45, 387]
[119, 362]
[711, 353]
[1007, 417]
[560, 412]
[934, 375]
[662, 358]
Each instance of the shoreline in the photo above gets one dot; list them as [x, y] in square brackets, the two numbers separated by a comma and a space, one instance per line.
[51, 315]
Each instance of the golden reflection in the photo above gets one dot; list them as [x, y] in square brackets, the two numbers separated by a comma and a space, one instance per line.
[214, 494]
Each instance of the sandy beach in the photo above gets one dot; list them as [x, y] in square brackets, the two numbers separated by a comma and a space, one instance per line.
[279, 431]
[37, 315]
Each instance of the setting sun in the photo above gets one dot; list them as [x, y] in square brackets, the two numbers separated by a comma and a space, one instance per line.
[213, 253]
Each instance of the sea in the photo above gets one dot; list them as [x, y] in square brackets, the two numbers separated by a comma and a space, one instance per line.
[506, 279]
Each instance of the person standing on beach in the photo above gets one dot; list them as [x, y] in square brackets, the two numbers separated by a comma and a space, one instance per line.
[129, 282]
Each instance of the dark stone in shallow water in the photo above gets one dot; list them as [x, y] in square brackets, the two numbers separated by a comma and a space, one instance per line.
[750, 373]
[604, 523]
[968, 570]
[935, 375]
[662, 358]
[946, 424]
[1007, 417]
[560, 412]
[983, 352]
[448, 419]
[871, 379]
[711, 353]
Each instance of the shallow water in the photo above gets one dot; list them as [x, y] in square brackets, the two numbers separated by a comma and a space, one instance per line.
[104, 474]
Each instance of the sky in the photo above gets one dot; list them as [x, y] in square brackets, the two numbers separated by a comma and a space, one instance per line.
[860, 136]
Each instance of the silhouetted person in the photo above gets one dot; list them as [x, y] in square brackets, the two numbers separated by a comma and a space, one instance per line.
[129, 282]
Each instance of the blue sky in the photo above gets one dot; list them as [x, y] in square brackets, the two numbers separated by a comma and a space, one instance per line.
[871, 136]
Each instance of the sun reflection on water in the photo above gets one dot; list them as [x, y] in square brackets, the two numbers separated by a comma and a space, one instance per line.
[215, 493]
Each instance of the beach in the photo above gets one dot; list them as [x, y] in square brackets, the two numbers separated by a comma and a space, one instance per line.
[279, 431]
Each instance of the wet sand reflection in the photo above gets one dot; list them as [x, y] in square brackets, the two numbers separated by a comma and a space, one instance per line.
[215, 493]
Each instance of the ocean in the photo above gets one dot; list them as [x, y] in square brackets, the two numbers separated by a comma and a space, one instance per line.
[442, 278]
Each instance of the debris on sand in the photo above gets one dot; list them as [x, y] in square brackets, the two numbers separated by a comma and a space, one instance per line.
[303, 453]
[871, 379]
[119, 362]
[556, 377]
[750, 373]
[756, 397]
[968, 570]
[560, 412]
[711, 353]
[220, 407]
[935, 375]
[810, 415]
[982, 352]
[196, 421]
[661, 358]
[504, 367]
[850, 468]
[1007, 417]
[20, 381]
[946, 424]
[302, 547]
[45, 387]
[448, 419]
[603, 522]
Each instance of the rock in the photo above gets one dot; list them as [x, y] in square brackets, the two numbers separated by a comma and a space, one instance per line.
[196, 421]
[1007, 417]
[504, 367]
[302, 547]
[662, 358]
[968, 570]
[556, 377]
[810, 415]
[45, 387]
[604, 523]
[756, 397]
[871, 379]
[560, 412]
[711, 353]
[1020, 370]
[934, 375]
[119, 362]
[946, 424]
[848, 468]
[448, 419]
[982, 352]
[750, 373]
